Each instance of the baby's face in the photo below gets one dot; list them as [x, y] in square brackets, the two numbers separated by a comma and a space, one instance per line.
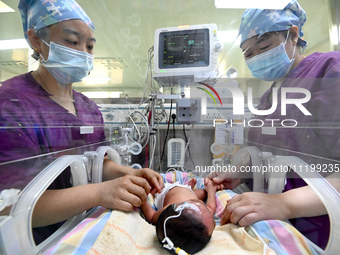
[200, 208]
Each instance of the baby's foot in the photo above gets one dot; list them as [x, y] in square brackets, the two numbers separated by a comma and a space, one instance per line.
[192, 183]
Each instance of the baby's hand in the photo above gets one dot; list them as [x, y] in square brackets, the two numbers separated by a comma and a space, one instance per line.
[211, 186]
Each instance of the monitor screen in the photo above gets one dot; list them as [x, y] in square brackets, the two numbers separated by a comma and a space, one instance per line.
[185, 54]
[184, 49]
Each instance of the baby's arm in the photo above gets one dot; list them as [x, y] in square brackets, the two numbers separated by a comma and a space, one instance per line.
[150, 214]
[211, 200]
[148, 211]
[201, 194]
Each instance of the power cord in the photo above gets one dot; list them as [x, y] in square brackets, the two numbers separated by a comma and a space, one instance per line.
[166, 137]
[173, 116]
[188, 148]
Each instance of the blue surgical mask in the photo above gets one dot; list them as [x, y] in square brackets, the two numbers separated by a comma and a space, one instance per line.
[271, 65]
[67, 65]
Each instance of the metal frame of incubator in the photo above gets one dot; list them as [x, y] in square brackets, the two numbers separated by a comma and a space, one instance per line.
[16, 229]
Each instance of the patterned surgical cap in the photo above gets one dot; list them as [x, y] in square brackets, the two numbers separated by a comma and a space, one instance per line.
[260, 21]
[37, 14]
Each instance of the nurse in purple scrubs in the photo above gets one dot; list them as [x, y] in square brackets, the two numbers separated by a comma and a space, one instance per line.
[40, 113]
[272, 44]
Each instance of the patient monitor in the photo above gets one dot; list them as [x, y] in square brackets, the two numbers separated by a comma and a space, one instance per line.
[184, 54]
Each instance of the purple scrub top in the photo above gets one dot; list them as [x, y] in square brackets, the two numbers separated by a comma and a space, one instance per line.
[316, 138]
[32, 124]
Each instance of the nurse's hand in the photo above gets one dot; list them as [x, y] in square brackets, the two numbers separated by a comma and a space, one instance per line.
[227, 180]
[223, 180]
[154, 179]
[112, 170]
[122, 193]
[229, 177]
[251, 207]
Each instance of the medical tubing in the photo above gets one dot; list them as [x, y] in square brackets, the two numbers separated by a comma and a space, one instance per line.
[162, 113]
[135, 148]
[265, 245]
[147, 128]
[153, 153]
[169, 244]
[141, 141]
[191, 132]
[135, 125]
[258, 185]
[169, 247]
[159, 146]
[256, 161]
[147, 75]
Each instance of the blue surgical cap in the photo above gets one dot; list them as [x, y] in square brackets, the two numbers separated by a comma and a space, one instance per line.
[259, 21]
[37, 14]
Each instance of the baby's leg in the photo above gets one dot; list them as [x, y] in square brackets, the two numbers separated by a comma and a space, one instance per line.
[200, 193]
[192, 183]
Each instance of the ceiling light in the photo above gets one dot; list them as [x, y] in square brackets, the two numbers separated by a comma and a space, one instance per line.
[227, 36]
[5, 8]
[93, 80]
[334, 35]
[252, 4]
[13, 44]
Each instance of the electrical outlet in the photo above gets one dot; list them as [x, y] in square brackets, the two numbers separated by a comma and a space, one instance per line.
[188, 110]
[211, 115]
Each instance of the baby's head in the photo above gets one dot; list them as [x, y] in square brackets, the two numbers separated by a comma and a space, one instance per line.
[189, 225]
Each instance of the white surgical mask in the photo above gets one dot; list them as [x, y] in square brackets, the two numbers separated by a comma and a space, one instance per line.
[271, 65]
[67, 65]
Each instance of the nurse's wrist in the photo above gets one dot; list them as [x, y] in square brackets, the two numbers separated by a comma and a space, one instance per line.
[95, 193]
[125, 170]
[287, 210]
[112, 170]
